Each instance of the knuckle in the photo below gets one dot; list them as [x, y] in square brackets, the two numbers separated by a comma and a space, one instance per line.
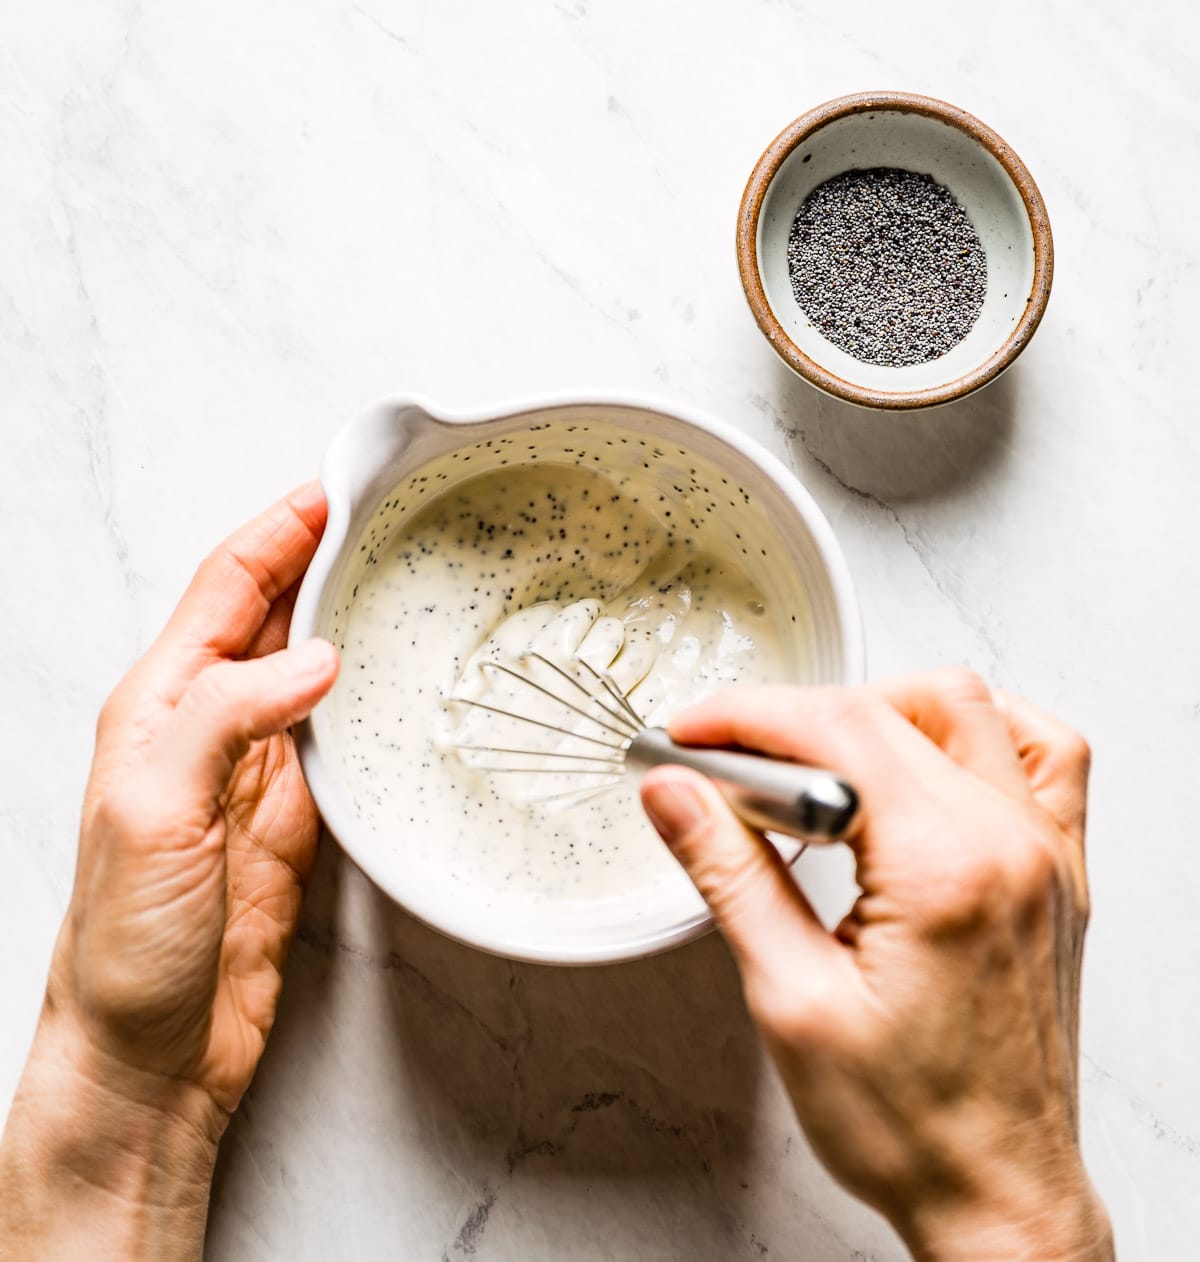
[989, 889]
[968, 893]
[1083, 905]
[737, 878]
[963, 684]
[1081, 897]
[115, 707]
[1075, 751]
[865, 708]
[1032, 873]
[729, 882]
[972, 887]
[220, 570]
[212, 689]
[110, 713]
[853, 708]
[212, 569]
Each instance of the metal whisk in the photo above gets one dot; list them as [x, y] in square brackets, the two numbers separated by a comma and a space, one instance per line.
[766, 793]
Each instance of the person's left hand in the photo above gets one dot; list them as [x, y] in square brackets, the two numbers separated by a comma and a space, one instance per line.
[198, 829]
[198, 834]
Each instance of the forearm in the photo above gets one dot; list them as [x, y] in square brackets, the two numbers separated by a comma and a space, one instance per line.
[98, 1161]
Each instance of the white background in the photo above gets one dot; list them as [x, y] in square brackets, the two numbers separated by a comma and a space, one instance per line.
[226, 227]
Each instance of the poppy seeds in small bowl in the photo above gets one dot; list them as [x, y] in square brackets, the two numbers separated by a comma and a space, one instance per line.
[894, 250]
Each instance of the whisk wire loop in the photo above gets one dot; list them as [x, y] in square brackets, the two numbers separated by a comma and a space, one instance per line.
[525, 718]
[634, 727]
[606, 682]
[558, 700]
[617, 760]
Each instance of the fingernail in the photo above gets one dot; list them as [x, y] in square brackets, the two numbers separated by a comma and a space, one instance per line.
[673, 807]
[313, 657]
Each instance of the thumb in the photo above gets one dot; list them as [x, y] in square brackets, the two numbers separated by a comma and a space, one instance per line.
[758, 907]
[232, 703]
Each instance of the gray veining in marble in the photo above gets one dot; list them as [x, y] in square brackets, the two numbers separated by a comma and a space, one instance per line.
[225, 228]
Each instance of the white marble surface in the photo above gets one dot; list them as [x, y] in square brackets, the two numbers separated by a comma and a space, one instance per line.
[225, 227]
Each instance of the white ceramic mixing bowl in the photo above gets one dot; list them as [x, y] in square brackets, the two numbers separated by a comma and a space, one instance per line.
[394, 440]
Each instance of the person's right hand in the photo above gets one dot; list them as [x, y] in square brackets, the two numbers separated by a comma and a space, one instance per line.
[930, 1043]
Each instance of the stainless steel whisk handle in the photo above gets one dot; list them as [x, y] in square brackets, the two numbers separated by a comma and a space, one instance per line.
[767, 793]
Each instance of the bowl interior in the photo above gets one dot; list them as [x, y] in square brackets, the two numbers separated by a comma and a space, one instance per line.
[929, 146]
[788, 555]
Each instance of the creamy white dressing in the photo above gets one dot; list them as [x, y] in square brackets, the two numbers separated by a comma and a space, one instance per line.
[648, 577]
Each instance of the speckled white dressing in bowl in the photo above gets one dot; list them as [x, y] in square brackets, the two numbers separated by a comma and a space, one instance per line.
[805, 574]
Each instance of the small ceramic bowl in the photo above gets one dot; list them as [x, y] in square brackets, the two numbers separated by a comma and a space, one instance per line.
[365, 476]
[916, 133]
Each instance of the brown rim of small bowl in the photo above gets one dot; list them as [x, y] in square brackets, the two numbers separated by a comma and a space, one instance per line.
[765, 170]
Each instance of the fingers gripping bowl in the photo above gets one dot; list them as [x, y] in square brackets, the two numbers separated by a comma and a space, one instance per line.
[660, 545]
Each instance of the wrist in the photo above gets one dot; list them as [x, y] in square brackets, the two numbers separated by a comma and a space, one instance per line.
[1064, 1222]
[99, 1159]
